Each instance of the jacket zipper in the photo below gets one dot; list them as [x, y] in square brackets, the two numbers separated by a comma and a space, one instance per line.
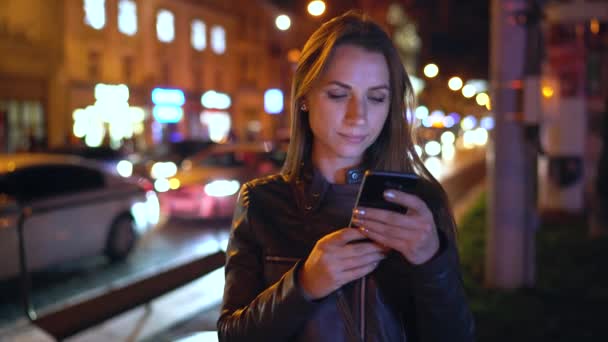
[362, 308]
[281, 259]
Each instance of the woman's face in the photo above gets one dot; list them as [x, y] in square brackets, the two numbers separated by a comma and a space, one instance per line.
[349, 104]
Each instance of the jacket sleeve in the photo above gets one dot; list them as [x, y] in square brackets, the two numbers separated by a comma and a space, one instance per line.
[440, 310]
[249, 312]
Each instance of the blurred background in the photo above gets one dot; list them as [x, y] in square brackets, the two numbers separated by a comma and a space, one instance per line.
[128, 126]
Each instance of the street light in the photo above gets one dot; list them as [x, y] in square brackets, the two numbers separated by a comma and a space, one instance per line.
[455, 83]
[482, 99]
[547, 92]
[469, 91]
[316, 8]
[283, 22]
[431, 70]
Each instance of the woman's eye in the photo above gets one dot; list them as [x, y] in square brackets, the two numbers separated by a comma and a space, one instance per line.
[336, 96]
[377, 99]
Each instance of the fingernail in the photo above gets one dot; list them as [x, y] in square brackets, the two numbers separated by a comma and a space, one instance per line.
[389, 194]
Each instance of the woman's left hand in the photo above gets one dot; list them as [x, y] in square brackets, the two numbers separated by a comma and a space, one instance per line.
[413, 234]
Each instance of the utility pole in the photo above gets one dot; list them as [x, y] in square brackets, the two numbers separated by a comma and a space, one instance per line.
[509, 254]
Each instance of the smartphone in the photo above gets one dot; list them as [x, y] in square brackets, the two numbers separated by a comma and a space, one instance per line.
[375, 183]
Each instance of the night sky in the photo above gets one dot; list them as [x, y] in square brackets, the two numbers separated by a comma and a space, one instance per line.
[455, 33]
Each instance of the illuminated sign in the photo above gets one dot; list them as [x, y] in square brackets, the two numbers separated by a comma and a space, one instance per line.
[171, 97]
[218, 123]
[215, 100]
[167, 114]
[111, 92]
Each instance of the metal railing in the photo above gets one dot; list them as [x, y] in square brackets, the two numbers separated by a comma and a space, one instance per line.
[75, 317]
[24, 274]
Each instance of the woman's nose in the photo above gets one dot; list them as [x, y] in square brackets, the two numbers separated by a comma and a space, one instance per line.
[357, 111]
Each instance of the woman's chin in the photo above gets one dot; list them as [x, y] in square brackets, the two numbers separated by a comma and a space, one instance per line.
[351, 152]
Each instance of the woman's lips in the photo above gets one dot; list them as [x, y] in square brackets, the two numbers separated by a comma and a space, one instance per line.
[352, 138]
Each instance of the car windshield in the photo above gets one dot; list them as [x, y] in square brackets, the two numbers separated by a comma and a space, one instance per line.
[229, 159]
[97, 153]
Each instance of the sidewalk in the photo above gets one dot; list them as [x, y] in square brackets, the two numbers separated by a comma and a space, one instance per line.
[140, 323]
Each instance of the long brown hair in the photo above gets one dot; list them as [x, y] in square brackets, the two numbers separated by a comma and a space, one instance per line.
[393, 150]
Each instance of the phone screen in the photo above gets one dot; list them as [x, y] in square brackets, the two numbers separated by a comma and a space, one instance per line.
[375, 183]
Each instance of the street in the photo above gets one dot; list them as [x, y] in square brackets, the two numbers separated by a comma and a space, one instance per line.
[173, 243]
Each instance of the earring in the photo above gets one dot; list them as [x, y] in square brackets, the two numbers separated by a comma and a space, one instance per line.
[303, 107]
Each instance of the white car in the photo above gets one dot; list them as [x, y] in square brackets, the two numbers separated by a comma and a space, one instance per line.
[73, 209]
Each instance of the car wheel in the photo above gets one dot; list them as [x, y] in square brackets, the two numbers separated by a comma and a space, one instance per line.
[121, 238]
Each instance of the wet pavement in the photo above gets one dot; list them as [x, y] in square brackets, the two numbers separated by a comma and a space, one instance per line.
[173, 243]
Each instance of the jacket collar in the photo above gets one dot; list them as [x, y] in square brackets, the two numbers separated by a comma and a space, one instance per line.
[312, 186]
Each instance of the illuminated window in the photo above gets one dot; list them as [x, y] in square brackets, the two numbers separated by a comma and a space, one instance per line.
[165, 26]
[127, 17]
[198, 39]
[218, 39]
[273, 101]
[95, 13]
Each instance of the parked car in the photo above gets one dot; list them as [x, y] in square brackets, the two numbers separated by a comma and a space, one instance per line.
[74, 209]
[207, 184]
[109, 159]
[168, 155]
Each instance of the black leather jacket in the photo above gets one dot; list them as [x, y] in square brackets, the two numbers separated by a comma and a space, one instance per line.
[274, 228]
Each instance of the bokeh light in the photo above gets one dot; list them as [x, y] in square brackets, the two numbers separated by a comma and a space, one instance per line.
[422, 112]
[431, 70]
[283, 22]
[468, 91]
[432, 148]
[316, 8]
[482, 99]
[455, 83]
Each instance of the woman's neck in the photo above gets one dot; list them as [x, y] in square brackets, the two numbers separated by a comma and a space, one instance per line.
[334, 169]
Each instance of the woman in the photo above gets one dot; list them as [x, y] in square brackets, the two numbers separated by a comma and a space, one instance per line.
[291, 265]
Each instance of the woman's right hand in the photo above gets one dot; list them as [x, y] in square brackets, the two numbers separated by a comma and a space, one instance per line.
[335, 261]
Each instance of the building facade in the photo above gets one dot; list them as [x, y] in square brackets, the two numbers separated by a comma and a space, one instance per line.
[62, 63]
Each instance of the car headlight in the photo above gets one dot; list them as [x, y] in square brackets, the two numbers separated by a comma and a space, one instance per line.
[124, 168]
[163, 170]
[174, 183]
[146, 213]
[222, 188]
[162, 185]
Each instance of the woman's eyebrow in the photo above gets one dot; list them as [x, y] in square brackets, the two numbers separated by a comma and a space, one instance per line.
[344, 85]
[378, 87]
[340, 84]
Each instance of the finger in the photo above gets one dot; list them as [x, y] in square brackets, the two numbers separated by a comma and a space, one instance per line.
[360, 260]
[409, 201]
[391, 227]
[342, 237]
[359, 249]
[379, 215]
[389, 231]
[387, 240]
[358, 272]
